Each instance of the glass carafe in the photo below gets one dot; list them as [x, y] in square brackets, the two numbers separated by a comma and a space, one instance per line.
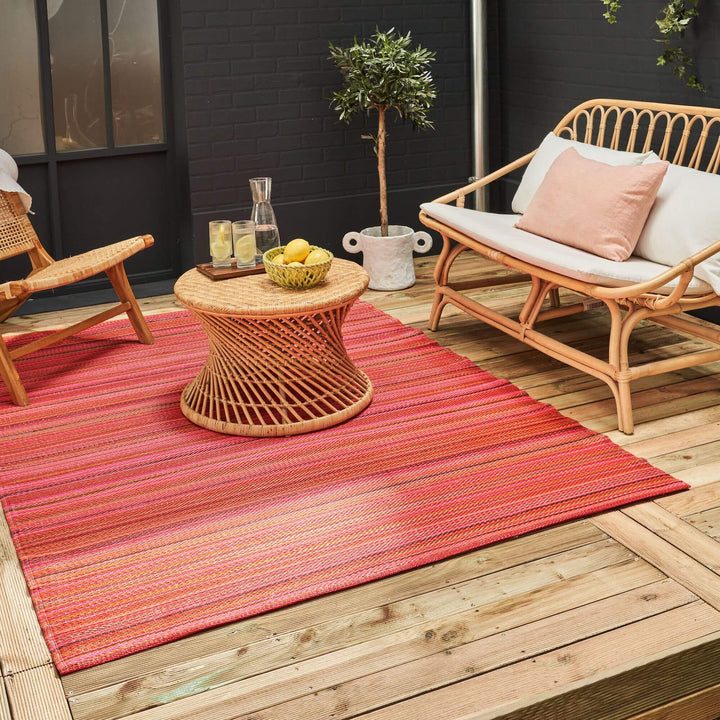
[266, 230]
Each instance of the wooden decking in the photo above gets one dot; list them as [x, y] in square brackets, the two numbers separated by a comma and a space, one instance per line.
[616, 616]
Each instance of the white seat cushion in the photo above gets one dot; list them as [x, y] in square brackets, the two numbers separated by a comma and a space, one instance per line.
[684, 220]
[549, 149]
[498, 232]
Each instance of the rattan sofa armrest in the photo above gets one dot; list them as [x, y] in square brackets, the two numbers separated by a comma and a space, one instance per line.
[459, 194]
[683, 268]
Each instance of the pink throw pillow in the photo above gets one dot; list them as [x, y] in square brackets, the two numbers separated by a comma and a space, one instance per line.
[593, 206]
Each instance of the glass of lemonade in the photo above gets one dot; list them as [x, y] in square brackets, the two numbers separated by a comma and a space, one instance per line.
[243, 232]
[221, 245]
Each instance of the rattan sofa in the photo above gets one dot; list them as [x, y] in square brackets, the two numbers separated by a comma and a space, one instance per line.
[661, 289]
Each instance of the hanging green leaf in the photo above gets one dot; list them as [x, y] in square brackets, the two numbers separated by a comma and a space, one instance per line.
[675, 18]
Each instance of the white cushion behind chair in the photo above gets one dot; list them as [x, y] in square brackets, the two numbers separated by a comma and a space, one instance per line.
[684, 219]
[549, 149]
[9, 176]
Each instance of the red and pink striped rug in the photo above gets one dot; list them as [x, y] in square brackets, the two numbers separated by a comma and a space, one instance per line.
[135, 527]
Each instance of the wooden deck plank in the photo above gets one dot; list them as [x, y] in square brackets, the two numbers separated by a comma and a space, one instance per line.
[693, 501]
[22, 645]
[655, 403]
[700, 474]
[703, 705]
[706, 522]
[37, 694]
[666, 557]
[339, 687]
[600, 416]
[696, 455]
[431, 623]
[393, 589]
[677, 442]
[567, 683]
[665, 426]
[677, 532]
[4, 707]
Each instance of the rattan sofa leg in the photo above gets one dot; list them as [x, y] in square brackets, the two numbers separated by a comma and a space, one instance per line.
[10, 377]
[120, 283]
[448, 255]
[438, 306]
[624, 407]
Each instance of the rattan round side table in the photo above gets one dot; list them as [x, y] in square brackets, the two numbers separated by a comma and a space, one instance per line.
[277, 362]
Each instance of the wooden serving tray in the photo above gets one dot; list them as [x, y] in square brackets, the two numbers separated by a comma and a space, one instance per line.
[228, 272]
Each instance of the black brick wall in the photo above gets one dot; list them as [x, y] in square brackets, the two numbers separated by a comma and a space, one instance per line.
[257, 80]
[257, 83]
[553, 55]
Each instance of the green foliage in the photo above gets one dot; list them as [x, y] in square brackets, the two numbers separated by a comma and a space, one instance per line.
[385, 73]
[611, 10]
[382, 74]
[675, 18]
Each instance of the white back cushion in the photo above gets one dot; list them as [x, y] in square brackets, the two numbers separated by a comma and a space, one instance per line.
[549, 149]
[684, 219]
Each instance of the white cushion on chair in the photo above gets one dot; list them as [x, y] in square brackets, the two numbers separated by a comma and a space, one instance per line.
[498, 232]
[684, 220]
[9, 176]
[549, 149]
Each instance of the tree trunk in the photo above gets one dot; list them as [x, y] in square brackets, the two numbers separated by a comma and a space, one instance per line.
[381, 172]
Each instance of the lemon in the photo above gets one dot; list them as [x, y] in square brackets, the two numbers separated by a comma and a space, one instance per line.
[296, 251]
[295, 263]
[278, 259]
[318, 255]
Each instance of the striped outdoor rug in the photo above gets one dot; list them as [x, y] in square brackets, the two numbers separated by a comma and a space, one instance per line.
[135, 527]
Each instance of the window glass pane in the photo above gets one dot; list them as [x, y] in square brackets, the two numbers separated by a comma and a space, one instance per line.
[77, 74]
[135, 72]
[20, 118]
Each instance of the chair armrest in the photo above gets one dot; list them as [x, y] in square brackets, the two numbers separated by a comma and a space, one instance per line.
[14, 289]
[459, 195]
[683, 270]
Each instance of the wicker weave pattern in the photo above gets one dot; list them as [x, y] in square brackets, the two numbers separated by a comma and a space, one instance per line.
[17, 235]
[276, 376]
[71, 269]
[277, 362]
[296, 278]
[258, 296]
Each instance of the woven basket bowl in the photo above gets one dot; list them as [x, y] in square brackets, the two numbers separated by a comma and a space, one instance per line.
[296, 278]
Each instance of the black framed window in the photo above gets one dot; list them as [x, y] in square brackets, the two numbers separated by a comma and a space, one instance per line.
[86, 74]
[21, 129]
[85, 87]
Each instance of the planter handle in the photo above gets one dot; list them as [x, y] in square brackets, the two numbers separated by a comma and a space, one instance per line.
[352, 242]
[422, 241]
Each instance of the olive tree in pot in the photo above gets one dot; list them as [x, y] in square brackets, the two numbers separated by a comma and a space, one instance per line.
[382, 74]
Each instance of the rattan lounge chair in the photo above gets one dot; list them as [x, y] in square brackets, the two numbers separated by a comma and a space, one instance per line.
[17, 236]
[639, 288]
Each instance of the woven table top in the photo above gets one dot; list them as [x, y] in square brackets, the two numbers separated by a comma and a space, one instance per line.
[257, 295]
